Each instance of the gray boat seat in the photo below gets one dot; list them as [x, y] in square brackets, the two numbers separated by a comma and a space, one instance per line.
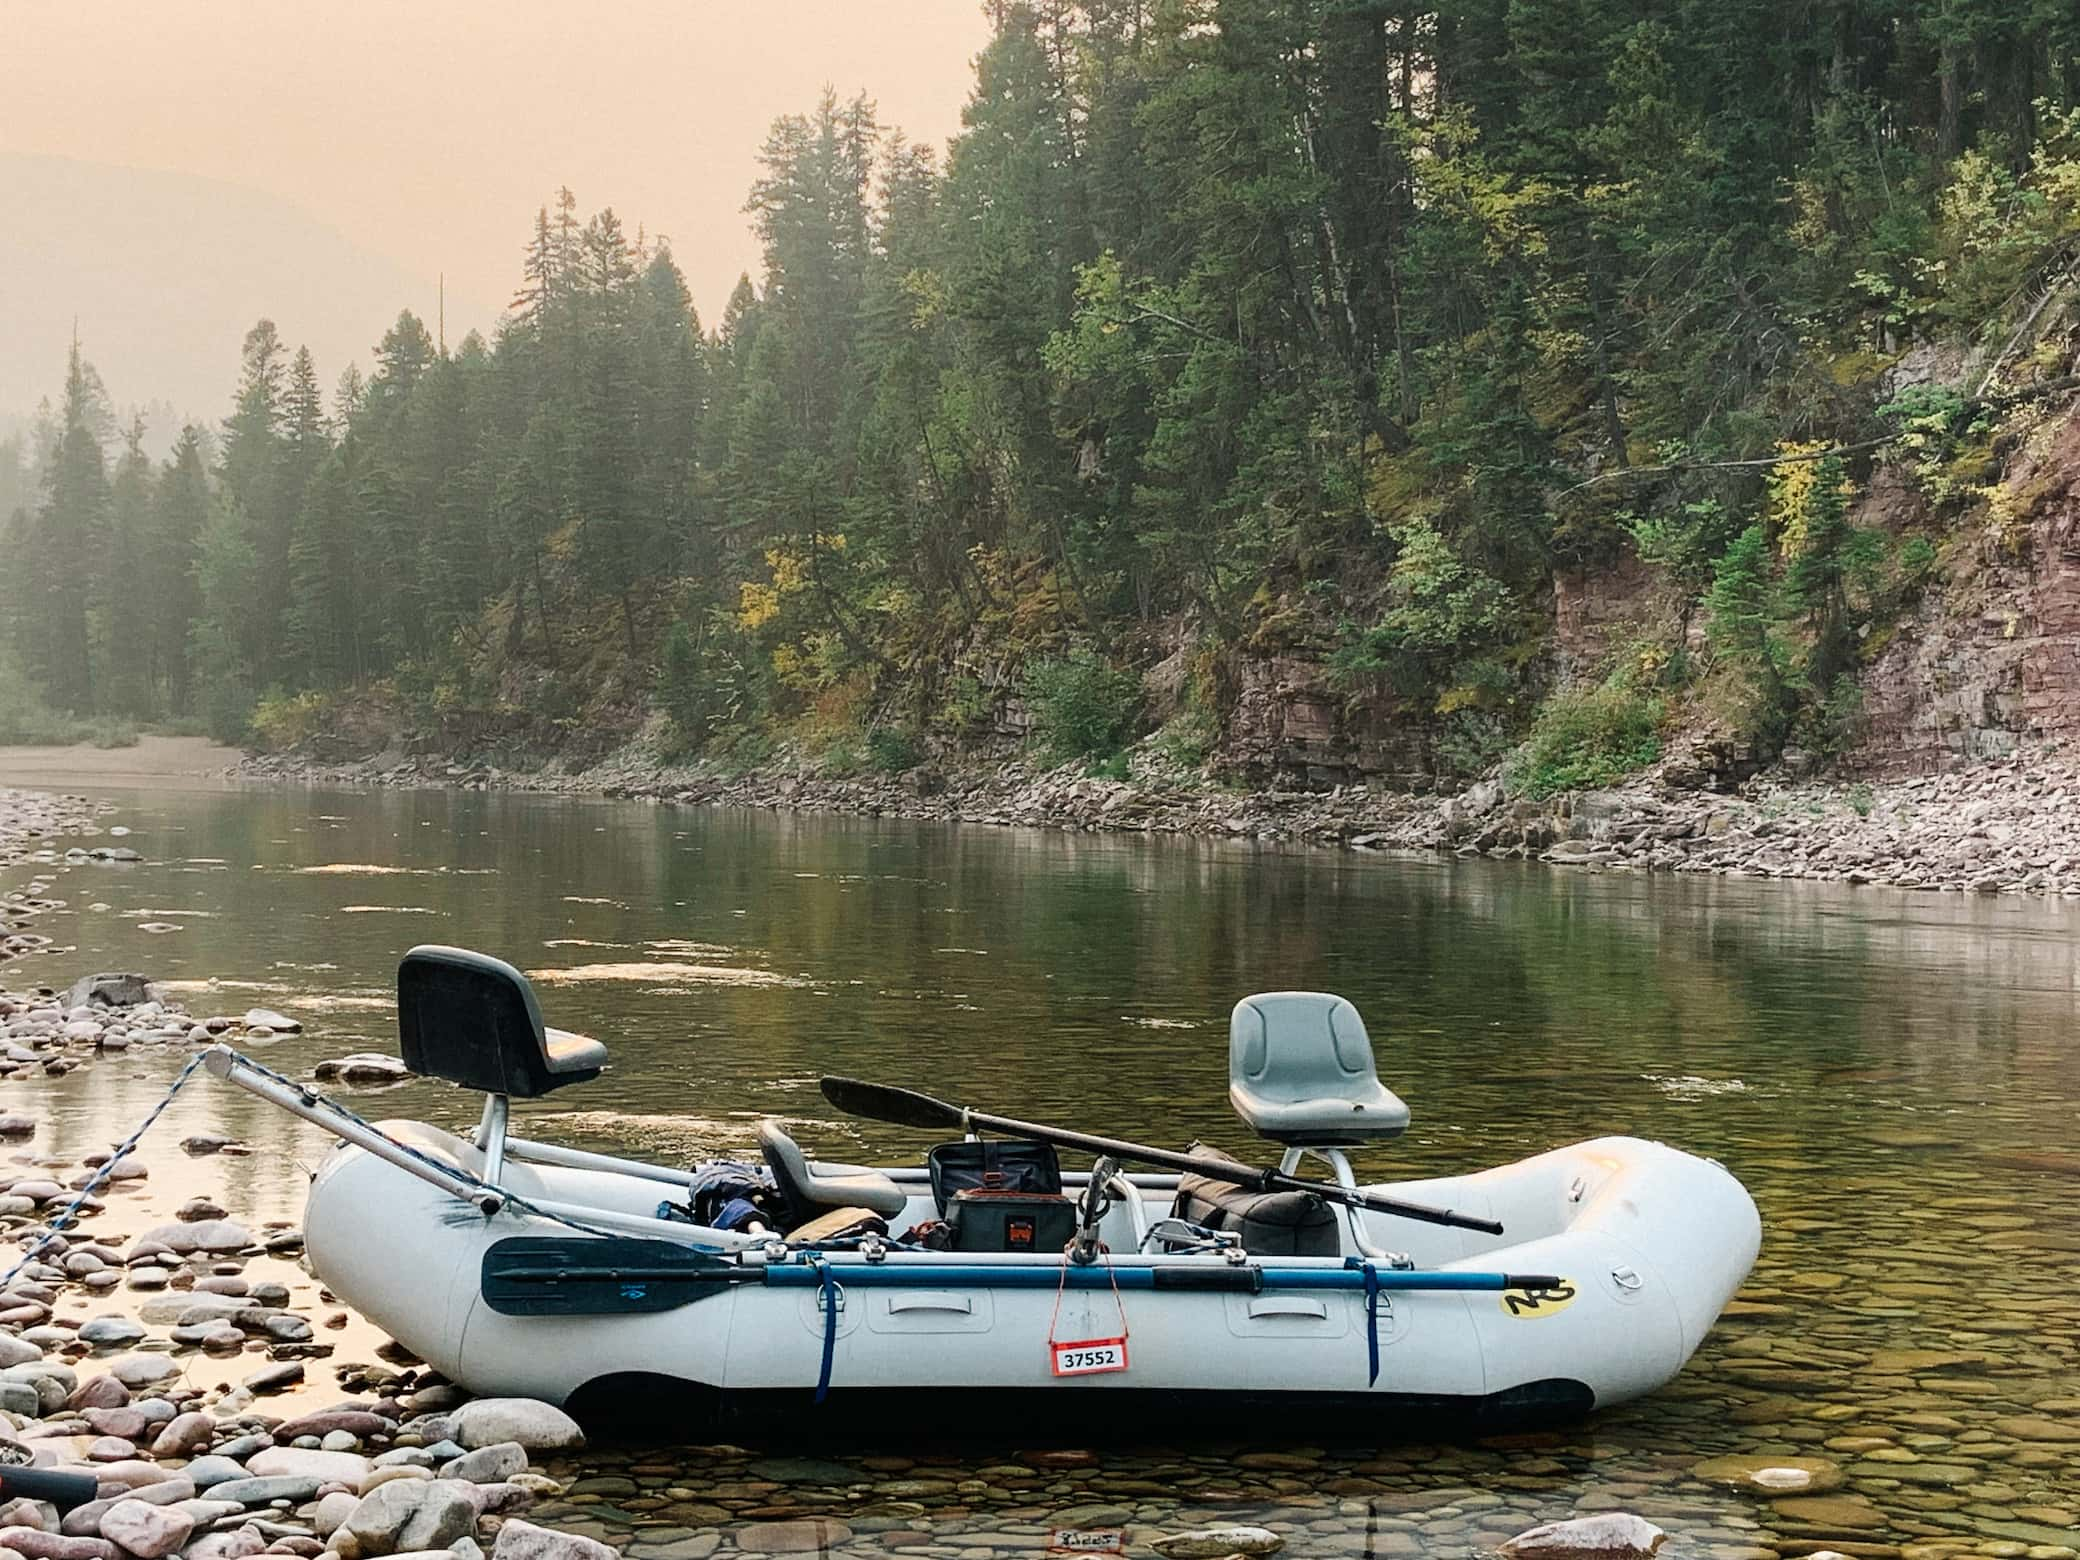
[473, 1020]
[1300, 1072]
[810, 1188]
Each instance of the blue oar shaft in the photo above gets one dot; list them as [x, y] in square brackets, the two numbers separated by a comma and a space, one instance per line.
[1099, 1276]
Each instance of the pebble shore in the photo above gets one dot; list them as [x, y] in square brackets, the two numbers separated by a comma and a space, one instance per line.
[2002, 826]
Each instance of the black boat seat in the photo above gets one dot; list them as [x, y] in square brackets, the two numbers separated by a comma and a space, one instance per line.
[473, 1020]
[1300, 1072]
[810, 1189]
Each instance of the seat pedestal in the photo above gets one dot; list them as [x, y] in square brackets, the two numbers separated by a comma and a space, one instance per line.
[1340, 1166]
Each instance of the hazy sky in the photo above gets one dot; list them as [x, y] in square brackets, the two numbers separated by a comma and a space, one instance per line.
[428, 131]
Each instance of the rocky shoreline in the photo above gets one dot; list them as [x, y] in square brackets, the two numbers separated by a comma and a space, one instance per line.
[2002, 826]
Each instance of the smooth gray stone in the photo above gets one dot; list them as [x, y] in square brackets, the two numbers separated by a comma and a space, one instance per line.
[258, 1492]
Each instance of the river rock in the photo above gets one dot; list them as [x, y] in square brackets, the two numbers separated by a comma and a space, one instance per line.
[488, 1464]
[119, 991]
[1772, 1475]
[147, 1531]
[205, 1472]
[796, 1536]
[519, 1540]
[184, 1435]
[36, 1544]
[1614, 1535]
[106, 1332]
[15, 1352]
[235, 1545]
[363, 1067]
[533, 1425]
[1212, 1543]
[268, 1018]
[99, 1392]
[355, 1421]
[182, 1239]
[275, 1378]
[258, 1492]
[141, 1370]
[406, 1514]
[331, 1511]
[297, 1463]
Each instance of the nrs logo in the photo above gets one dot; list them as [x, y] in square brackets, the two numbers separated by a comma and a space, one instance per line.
[1539, 1302]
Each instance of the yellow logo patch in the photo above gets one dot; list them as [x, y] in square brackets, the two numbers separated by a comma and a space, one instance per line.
[1540, 1302]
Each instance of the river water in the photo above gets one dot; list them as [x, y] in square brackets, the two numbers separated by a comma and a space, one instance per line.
[1895, 1077]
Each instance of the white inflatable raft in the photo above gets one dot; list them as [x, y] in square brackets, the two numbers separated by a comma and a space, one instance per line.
[526, 1269]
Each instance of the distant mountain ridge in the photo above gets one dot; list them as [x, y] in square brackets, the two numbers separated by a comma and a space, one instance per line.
[165, 271]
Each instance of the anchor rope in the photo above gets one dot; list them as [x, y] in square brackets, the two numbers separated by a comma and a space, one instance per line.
[69, 1215]
[102, 1172]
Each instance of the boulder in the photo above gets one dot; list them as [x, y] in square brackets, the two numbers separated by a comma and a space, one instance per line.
[519, 1540]
[533, 1425]
[147, 1531]
[267, 1018]
[1611, 1535]
[119, 991]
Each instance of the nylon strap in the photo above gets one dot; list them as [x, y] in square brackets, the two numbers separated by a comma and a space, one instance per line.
[1371, 1323]
[829, 1291]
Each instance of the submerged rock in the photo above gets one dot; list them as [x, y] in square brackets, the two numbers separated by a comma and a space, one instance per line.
[1615, 1535]
[1212, 1543]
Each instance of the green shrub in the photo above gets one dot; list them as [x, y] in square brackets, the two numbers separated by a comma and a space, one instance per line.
[1081, 705]
[1588, 739]
[281, 721]
[892, 750]
[1114, 767]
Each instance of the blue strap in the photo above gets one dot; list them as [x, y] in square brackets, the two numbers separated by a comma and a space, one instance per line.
[1371, 1323]
[829, 1291]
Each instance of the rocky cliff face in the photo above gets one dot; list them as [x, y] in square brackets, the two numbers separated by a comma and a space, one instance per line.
[1992, 658]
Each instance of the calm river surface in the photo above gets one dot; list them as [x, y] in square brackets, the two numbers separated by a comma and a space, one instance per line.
[1896, 1078]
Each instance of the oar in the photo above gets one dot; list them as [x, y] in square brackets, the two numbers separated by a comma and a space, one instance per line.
[528, 1275]
[908, 1108]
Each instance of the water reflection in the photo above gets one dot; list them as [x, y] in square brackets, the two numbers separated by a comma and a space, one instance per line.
[1894, 1076]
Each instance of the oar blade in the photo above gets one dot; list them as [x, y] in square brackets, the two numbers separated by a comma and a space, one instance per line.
[530, 1275]
[884, 1102]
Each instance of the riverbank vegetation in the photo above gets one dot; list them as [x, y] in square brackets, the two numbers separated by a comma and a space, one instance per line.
[1226, 330]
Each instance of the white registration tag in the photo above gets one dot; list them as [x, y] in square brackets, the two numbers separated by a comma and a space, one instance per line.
[1090, 1357]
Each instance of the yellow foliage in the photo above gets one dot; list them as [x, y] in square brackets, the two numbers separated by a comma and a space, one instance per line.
[1794, 482]
[757, 605]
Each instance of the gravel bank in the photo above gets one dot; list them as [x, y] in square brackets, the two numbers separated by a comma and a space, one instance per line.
[2005, 826]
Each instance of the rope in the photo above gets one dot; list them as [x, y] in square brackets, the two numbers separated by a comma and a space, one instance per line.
[70, 1213]
[64, 1220]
